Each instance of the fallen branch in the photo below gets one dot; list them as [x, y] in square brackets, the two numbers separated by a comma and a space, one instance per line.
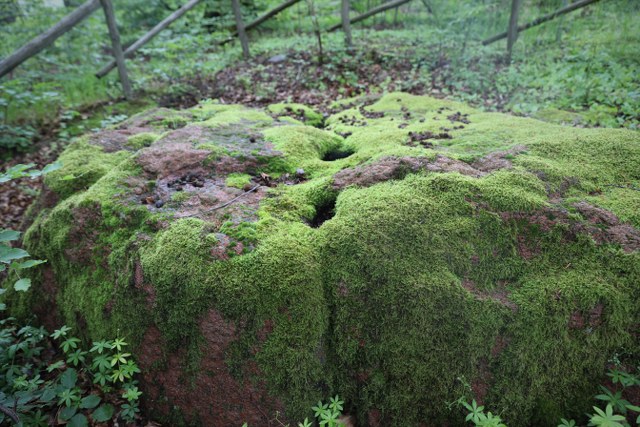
[260, 19]
[45, 39]
[374, 11]
[224, 205]
[542, 19]
[151, 34]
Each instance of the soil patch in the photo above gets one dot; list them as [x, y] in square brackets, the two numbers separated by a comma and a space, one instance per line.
[388, 168]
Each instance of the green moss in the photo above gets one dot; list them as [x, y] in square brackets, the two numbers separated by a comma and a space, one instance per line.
[625, 202]
[304, 147]
[412, 284]
[513, 191]
[290, 120]
[311, 118]
[251, 288]
[181, 196]
[141, 140]
[83, 164]
[347, 102]
[299, 202]
[594, 157]
[238, 180]
[174, 122]
[209, 109]
[407, 325]
[553, 115]
[229, 116]
[87, 241]
[395, 101]
[159, 119]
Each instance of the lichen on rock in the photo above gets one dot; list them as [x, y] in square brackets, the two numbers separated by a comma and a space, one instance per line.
[409, 243]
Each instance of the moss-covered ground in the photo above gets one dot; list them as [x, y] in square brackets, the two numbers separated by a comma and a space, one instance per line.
[394, 294]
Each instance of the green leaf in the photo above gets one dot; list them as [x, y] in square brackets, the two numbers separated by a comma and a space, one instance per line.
[30, 263]
[51, 167]
[118, 343]
[103, 413]
[48, 395]
[8, 254]
[9, 235]
[68, 412]
[70, 343]
[62, 332]
[78, 420]
[69, 378]
[22, 285]
[90, 401]
[101, 346]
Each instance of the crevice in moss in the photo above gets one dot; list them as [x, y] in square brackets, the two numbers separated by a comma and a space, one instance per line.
[337, 154]
[325, 210]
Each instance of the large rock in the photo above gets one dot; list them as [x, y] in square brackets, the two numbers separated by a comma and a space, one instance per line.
[408, 248]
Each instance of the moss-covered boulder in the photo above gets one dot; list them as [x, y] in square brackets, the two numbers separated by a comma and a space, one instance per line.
[408, 247]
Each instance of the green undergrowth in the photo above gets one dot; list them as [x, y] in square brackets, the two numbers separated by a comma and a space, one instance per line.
[386, 294]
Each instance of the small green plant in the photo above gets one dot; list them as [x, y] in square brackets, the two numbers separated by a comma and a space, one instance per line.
[607, 418]
[328, 414]
[14, 260]
[615, 402]
[478, 417]
[615, 413]
[566, 423]
[78, 386]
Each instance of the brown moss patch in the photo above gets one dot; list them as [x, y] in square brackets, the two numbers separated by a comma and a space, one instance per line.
[116, 139]
[389, 168]
[498, 159]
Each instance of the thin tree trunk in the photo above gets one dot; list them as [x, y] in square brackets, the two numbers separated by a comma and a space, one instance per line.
[261, 19]
[427, 6]
[368, 4]
[467, 27]
[45, 39]
[346, 23]
[110, 17]
[240, 28]
[151, 34]
[512, 32]
[374, 11]
[542, 19]
[560, 22]
[316, 30]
